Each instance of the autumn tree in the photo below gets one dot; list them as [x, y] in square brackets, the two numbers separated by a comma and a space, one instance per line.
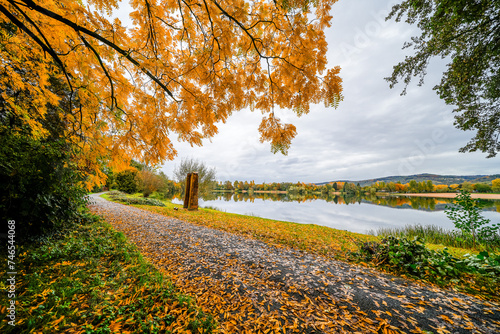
[429, 186]
[495, 185]
[391, 186]
[178, 70]
[228, 185]
[400, 187]
[350, 188]
[442, 188]
[150, 181]
[413, 186]
[465, 32]
[206, 175]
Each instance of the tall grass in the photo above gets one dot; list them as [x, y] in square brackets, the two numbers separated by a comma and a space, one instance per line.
[438, 235]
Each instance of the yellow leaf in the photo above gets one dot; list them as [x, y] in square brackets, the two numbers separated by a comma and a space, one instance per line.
[58, 320]
[446, 318]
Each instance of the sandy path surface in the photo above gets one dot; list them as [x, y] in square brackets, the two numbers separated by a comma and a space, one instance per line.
[251, 287]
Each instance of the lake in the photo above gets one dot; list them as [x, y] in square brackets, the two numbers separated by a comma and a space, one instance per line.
[354, 214]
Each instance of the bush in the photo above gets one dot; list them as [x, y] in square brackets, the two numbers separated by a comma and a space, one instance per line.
[157, 195]
[411, 257]
[41, 188]
[126, 181]
[483, 263]
[407, 256]
[151, 182]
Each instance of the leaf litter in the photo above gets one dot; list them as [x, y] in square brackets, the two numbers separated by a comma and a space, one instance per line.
[252, 287]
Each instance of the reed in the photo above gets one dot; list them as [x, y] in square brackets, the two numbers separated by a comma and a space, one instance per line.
[438, 235]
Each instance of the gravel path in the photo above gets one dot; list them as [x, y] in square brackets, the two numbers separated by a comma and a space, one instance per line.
[250, 286]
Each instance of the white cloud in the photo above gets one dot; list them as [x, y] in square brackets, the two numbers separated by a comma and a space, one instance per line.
[375, 132]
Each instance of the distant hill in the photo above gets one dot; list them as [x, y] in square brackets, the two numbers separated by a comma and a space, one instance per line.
[436, 179]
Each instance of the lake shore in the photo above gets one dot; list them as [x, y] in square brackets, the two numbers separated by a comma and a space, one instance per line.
[338, 193]
[451, 195]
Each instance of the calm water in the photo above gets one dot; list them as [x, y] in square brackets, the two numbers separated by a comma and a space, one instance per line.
[359, 215]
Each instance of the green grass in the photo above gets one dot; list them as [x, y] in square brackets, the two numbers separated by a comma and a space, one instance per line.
[92, 280]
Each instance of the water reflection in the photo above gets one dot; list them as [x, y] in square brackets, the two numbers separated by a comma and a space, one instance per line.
[356, 214]
[397, 202]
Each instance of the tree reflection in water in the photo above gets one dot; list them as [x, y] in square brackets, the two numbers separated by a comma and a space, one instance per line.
[396, 201]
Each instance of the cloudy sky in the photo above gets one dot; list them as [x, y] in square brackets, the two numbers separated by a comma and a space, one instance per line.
[375, 132]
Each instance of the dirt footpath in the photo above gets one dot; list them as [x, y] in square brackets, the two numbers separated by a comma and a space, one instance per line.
[251, 287]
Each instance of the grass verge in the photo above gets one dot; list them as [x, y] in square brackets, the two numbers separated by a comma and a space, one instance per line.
[92, 280]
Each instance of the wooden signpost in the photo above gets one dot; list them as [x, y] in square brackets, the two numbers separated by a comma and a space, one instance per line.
[191, 194]
[187, 190]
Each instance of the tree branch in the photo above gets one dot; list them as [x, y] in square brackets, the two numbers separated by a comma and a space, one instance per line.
[46, 47]
[30, 4]
[113, 98]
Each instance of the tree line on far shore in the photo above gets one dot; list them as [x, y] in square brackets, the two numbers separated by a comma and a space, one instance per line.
[349, 187]
[140, 178]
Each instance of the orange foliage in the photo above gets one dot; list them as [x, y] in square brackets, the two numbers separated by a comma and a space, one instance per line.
[182, 67]
[401, 187]
[441, 187]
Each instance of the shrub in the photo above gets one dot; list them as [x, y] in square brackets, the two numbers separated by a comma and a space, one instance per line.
[151, 182]
[482, 187]
[411, 257]
[126, 181]
[41, 188]
[483, 263]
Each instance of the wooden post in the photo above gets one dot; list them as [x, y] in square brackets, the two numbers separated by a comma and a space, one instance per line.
[193, 192]
[187, 191]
